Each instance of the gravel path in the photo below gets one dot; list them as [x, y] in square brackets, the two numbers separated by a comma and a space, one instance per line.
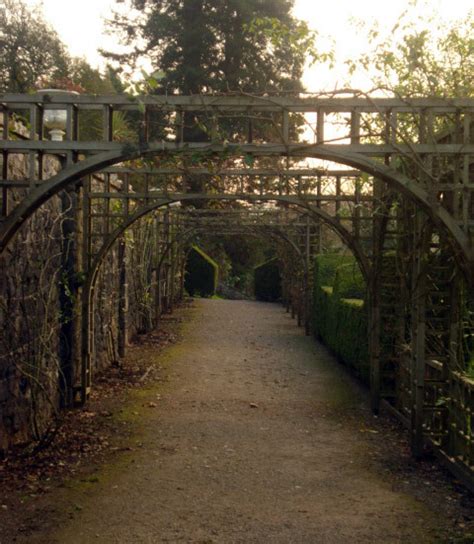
[259, 436]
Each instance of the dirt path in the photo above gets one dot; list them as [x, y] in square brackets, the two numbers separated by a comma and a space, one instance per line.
[258, 437]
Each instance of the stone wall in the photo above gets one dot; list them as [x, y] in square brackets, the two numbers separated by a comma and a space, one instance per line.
[29, 320]
[40, 307]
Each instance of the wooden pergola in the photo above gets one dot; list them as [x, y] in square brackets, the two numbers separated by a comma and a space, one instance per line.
[393, 178]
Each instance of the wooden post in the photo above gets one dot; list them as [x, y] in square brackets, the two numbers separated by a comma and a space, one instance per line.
[86, 343]
[307, 280]
[453, 362]
[81, 391]
[374, 343]
[299, 308]
[374, 315]
[123, 297]
[69, 294]
[172, 281]
[181, 279]
[418, 342]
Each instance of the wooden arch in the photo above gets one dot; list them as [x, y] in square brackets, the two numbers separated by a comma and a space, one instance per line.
[74, 173]
[430, 165]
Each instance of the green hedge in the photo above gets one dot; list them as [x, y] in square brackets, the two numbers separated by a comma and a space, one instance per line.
[339, 312]
[201, 273]
[267, 281]
[326, 266]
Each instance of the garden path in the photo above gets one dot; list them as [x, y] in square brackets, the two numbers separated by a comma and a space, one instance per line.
[259, 436]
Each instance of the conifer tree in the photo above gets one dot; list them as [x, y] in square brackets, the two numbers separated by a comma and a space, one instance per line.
[203, 46]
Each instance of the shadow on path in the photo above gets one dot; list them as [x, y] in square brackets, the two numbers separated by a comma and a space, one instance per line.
[259, 437]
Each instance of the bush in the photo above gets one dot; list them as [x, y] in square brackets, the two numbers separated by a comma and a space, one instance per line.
[339, 311]
[326, 266]
[351, 336]
[267, 281]
[349, 282]
[201, 274]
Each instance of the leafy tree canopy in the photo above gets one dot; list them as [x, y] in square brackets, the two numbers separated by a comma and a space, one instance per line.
[421, 57]
[33, 56]
[29, 48]
[202, 46]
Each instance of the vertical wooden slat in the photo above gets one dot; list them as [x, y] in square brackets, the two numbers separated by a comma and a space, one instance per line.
[146, 125]
[374, 301]
[355, 126]
[180, 126]
[468, 186]
[418, 340]
[71, 131]
[106, 201]
[319, 225]
[107, 123]
[32, 164]
[249, 127]
[86, 311]
[338, 194]
[286, 127]
[320, 114]
[307, 280]
[70, 122]
[5, 136]
[357, 210]
[122, 297]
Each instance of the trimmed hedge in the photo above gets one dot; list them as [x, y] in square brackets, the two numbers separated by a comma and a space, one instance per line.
[339, 312]
[267, 281]
[326, 266]
[201, 274]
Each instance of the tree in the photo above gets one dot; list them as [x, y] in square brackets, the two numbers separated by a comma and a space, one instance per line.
[203, 46]
[29, 48]
[207, 46]
[421, 57]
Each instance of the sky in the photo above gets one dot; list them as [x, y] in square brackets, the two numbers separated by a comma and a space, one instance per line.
[81, 26]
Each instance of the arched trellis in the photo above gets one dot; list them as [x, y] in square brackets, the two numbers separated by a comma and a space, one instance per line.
[297, 262]
[428, 191]
[311, 212]
[72, 174]
[186, 236]
[406, 186]
[273, 233]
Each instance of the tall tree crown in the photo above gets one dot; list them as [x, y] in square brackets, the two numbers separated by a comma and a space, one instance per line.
[29, 48]
[215, 45]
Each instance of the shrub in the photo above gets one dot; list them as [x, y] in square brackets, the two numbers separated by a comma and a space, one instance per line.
[326, 266]
[267, 281]
[201, 273]
[339, 311]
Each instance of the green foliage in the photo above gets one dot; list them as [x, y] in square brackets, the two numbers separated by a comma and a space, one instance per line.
[339, 311]
[204, 46]
[467, 321]
[32, 56]
[201, 273]
[267, 281]
[349, 282]
[237, 255]
[325, 267]
[352, 335]
[83, 78]
[29, 48]
[421, 56]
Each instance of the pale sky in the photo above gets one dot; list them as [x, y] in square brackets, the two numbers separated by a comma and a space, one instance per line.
[81, 25]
